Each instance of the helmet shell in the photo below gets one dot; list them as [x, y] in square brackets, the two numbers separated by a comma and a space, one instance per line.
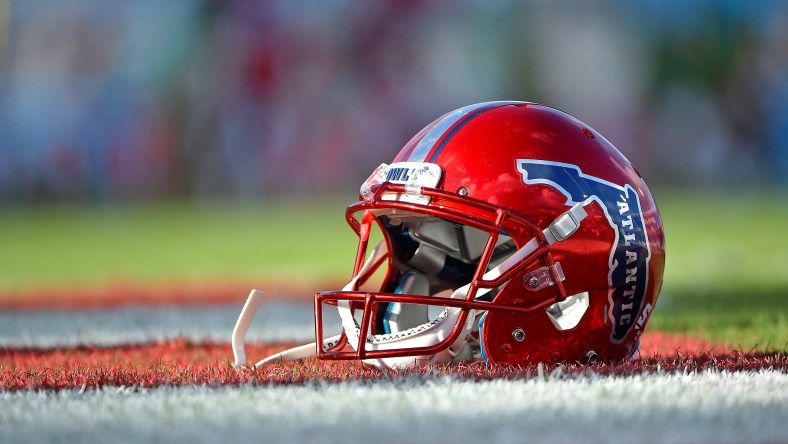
[536, 161]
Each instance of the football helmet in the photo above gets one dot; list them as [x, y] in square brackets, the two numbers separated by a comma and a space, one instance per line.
[509, 232]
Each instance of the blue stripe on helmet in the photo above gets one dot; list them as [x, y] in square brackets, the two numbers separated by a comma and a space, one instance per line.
[465, 120]
[425, 145]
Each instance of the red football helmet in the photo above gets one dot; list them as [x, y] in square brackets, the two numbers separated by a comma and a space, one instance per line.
[511, 232]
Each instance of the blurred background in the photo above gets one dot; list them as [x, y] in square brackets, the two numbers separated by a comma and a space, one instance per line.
[136, 100]
[204, 140]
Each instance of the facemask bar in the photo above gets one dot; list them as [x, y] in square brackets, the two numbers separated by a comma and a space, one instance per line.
[476, 214]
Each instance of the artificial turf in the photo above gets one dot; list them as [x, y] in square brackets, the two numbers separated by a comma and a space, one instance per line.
[183, 362]
[726, 276]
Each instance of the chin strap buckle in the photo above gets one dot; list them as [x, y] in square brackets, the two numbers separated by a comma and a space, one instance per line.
[566, 224]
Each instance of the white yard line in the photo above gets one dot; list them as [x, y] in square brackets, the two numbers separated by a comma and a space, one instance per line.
[705, 407]
[51, 328]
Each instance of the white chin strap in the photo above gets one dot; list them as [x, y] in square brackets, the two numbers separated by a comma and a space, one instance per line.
[424, 335]
[242, 326]
[253, 303]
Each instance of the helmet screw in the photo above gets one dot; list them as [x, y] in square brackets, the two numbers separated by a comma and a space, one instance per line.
[590, 357]
[518, 334]
[533, 282]
[462, 191]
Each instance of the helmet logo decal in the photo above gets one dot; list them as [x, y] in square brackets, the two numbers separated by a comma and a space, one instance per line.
[629, 254]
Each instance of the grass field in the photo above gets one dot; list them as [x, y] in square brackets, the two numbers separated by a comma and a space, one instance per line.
[162, 373]
[154, 242]
[726, 277]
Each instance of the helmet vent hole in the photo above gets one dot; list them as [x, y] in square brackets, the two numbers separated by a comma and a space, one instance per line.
[588, 133]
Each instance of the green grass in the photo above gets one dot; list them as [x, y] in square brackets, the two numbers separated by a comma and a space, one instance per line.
[755, 320]
[154, 242]
[726, 274]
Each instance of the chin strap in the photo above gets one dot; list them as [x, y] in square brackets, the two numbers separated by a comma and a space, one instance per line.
[242, 326]
[561, 228]
[302, 351]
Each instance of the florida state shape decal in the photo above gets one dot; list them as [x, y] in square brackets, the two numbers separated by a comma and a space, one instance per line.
[629, 254]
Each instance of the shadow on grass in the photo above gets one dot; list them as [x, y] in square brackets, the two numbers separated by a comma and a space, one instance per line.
[743, 319]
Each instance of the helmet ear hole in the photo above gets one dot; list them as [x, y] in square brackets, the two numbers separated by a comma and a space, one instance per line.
[565, 315]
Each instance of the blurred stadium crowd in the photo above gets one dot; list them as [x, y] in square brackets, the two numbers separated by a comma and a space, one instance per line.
[148, 99]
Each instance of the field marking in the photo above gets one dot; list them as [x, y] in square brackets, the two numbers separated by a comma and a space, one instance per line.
[709, 406]
[277, 321]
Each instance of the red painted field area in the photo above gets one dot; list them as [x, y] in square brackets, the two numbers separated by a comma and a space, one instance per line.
[184, 363]
[119, 293]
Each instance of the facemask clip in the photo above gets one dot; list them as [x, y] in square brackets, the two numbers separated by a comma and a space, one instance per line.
[543, 277]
